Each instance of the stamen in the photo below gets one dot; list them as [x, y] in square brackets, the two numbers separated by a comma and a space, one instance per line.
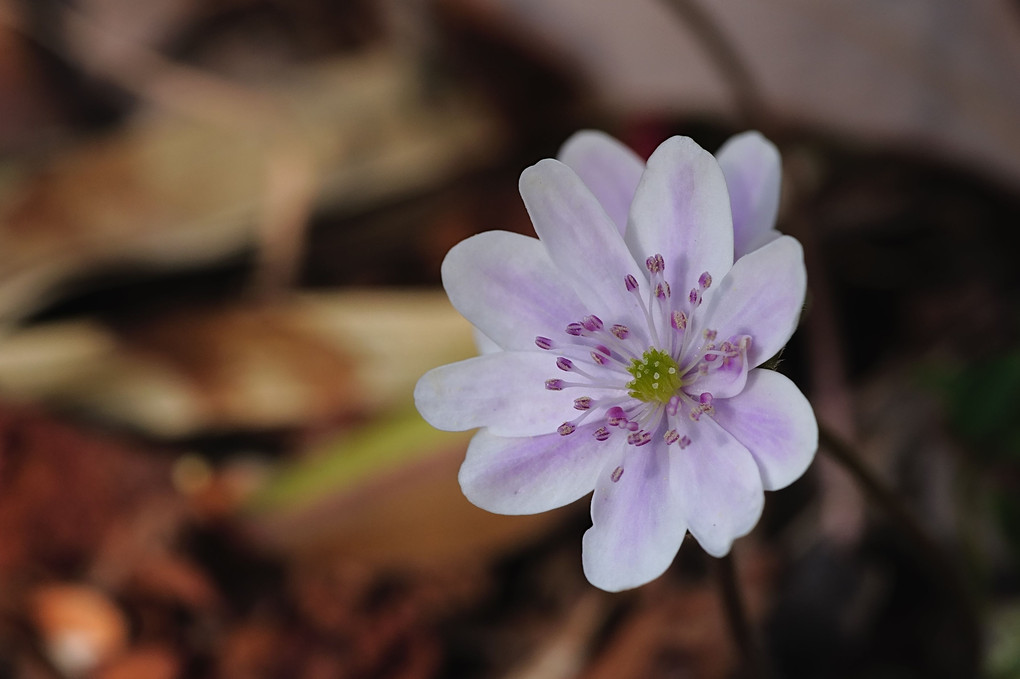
[566, 429]
[554, 385]
[564, 364]
[678, 320]
[639, 438]
[655, 264]
[710, 335]
[630, 282]
[616, 416]
[673, 405]
[543, 343]
[684, 442]
[601, 434]
[695, 297]
[620, 331]
[617, 473]
[662, 290]
[705, 280]
[599, 358]
[582, 403]
[575, 329]
[671, 437]
[592, 323]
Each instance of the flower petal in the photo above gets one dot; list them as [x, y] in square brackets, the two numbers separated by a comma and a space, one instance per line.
[506, 286]
[761, 296]
[581, 240]
[775, 422]
[484, 344]
[720, 486]
[725, 378]
[637, 520]
[608, 168]
[504, 391]
[753, 171]
[681, 210]
[527, 475]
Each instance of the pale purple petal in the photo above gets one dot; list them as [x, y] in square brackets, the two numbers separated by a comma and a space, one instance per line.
[531, 474]
[761, 296]
[506, 286]
[581, 239]
[484, 344]
[720, 487]
[637, 519]
[775, 422]
[681, 210]
[725, 378]
[753, 171]
[608, 168]
[504, 391]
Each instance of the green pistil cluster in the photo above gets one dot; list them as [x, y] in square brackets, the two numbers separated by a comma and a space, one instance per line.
[656, 377]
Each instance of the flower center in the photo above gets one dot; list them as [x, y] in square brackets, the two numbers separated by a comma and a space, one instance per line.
[656, 377]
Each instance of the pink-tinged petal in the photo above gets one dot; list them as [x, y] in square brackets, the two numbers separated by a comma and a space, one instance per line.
[504, 391]
[581, 240]
[761, 296]
[608, 168]
[775, 422]
[506, 286]
[531, 474]
[681, 210]
[753, 171]
[637, 519]
[720, 486]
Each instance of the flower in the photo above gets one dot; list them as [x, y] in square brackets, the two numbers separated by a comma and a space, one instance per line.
[626, 338]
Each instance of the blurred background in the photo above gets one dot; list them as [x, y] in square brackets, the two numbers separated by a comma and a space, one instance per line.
[221, 225]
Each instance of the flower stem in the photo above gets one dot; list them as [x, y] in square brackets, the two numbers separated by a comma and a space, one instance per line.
[724, 55]
[945, 575]
[751, 656]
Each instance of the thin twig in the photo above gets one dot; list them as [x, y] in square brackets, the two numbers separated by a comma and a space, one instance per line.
[720, 50]
[751, 656]
[945, 575]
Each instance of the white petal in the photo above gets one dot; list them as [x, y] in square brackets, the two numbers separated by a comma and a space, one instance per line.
[531, 474]
[484, 344]
[608, 168]
[720, 486]
[775, 422]
[681, 210]
[725, 379]
[761, 296]
[581, 239]
[506, 285]
[504, 391]
[637, 520]
[753, 171]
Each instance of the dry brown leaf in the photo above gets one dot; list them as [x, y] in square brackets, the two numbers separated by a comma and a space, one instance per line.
[409, 514]
[312, 359]
[172, 192]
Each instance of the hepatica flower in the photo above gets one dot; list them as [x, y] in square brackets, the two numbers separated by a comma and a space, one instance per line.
[625, 343]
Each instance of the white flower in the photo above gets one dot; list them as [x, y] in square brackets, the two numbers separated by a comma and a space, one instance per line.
[626, 339]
